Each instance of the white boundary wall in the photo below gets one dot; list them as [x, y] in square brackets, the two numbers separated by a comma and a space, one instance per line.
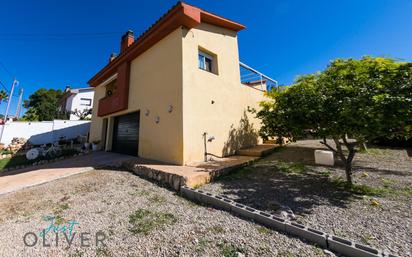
[42, 132]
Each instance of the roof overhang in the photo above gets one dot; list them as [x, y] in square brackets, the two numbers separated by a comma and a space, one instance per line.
[180, 15]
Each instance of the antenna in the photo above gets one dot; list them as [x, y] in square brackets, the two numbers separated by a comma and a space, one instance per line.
[15, 83]
[18, 108]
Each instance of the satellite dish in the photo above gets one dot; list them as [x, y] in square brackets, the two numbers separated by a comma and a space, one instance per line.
[32, 154]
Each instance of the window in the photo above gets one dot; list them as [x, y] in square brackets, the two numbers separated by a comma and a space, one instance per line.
[86, 101]
[206, 62]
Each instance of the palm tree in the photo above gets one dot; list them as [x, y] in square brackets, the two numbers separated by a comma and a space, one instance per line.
[3, 95]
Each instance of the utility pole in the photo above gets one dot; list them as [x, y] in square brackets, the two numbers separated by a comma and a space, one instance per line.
[18, 108]
[15, 83]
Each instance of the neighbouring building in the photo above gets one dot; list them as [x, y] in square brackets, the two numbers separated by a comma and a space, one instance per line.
[77, 102]
[176, 88]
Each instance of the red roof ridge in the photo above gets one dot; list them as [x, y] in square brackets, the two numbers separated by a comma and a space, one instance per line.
[181, 14]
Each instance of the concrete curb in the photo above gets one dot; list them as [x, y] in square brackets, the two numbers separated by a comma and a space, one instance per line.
[46, 181]
[331, 242]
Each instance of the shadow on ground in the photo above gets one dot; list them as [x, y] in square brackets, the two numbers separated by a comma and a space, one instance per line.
[269, 188]
[289, 177]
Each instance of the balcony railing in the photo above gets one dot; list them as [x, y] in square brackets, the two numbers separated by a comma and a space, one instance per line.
[253, 78]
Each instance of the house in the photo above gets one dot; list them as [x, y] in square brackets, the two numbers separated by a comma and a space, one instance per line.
[176, 92]
[77, 102]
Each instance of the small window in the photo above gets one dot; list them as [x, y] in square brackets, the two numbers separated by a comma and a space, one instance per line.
[111, 88]
[85, 102]
[206, 62]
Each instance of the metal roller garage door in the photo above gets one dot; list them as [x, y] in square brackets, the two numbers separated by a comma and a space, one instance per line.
[126, 134]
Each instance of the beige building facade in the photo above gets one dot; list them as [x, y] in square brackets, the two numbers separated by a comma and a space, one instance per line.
[176, 89]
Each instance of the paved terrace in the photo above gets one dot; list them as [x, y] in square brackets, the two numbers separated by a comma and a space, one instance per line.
[174, 176]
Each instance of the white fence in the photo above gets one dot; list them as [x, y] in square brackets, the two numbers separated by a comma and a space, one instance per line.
[43, 132]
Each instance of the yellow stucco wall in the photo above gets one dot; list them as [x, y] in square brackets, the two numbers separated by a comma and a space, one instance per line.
[97, 122]
[168, 74]
[155, 84]
[227, 119]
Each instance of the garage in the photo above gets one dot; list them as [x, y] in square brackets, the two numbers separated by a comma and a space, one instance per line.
[126, 134]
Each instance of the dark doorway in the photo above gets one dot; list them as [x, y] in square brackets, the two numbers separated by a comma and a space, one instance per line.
[104, 134]
[126, 134]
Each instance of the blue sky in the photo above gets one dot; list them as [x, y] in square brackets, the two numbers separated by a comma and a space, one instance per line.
[57, 43]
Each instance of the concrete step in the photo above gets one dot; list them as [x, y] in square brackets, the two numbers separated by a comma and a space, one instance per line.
[192, 175]
[257, 151]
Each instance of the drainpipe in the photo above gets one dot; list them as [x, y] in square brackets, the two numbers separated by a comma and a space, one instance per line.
[204, 141]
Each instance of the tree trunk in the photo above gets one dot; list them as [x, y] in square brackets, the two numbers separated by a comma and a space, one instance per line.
[339, 151]
[349, 159]
[348, 172]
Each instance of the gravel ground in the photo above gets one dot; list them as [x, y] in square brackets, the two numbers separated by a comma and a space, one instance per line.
[116, 202]
[379, 215]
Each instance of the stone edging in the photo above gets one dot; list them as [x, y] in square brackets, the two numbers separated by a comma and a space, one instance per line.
[331, 242]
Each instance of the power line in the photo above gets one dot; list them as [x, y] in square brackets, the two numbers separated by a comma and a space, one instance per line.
[5, 69]
[7, 90]
[60, 34]
[48, 36]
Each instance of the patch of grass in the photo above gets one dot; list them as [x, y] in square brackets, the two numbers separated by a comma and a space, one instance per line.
[59, 220]
[375, 151]
[58, 211]
[296, 168]
[370, 191]
[202, 245]
[229, 250]
[62, 207]
[157, 199]
[102, 252]
[144, 221]
[286, 254]
[197, 186]
[358, 189]
[407, 191]
[264, 230]
[326, 173]
[367, 239]
[387, 182]
[217, 229]
[238, 174]
[14, 161]
[6, 152]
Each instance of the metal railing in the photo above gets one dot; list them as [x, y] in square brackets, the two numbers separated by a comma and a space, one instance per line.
[253, 78]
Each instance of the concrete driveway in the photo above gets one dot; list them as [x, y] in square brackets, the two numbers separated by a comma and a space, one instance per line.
[22, 178]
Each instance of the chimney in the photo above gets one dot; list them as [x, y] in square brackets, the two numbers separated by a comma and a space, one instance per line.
[127, 40]
[112, 57]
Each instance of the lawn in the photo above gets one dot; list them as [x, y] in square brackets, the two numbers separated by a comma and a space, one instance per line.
[14, 161]
[289, 183]
[19, 160]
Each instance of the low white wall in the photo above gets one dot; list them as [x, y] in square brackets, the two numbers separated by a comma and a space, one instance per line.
[43, 132]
